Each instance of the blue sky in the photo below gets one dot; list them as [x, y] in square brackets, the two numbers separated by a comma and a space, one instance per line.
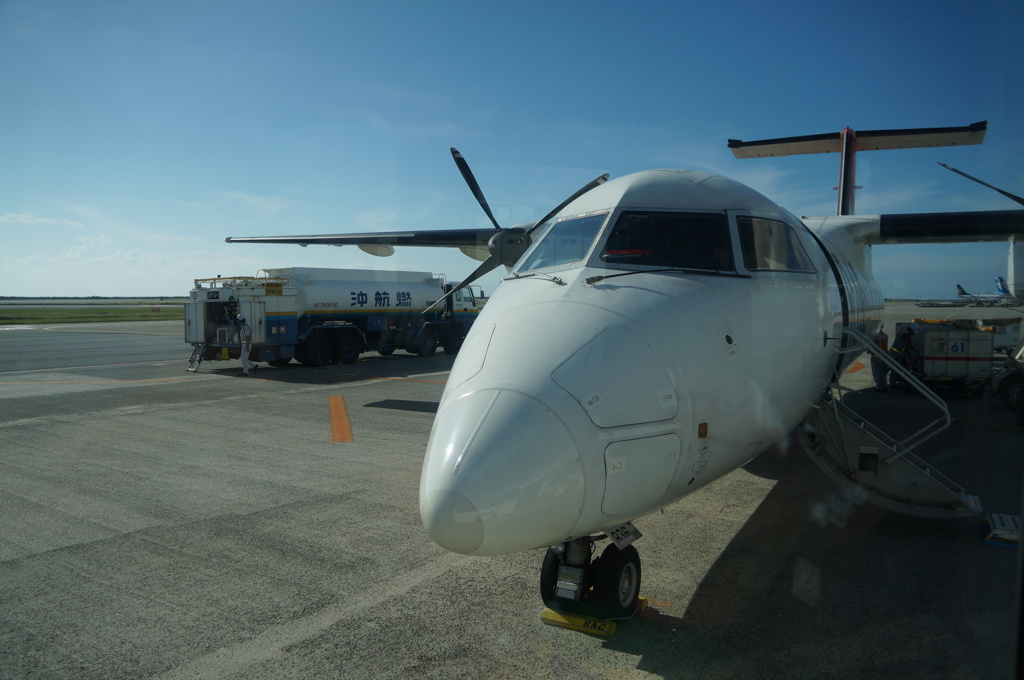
[135, 136]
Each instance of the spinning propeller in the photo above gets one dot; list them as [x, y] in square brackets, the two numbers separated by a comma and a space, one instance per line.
[507, 245]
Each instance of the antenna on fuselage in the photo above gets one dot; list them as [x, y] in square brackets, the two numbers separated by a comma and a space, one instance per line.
[848, 143]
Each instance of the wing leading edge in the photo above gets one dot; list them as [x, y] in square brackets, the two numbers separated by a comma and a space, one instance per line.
[951, 227]
[472, 242]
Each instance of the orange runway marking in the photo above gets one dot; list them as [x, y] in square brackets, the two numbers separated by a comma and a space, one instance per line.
[341, 430]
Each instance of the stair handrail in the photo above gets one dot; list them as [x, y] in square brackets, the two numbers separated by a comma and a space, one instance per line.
[919, 437]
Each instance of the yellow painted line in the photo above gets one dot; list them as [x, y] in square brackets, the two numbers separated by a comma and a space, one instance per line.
[341, 430]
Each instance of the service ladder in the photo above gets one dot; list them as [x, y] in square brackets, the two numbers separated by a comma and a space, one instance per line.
[871, 463]
[198, 351]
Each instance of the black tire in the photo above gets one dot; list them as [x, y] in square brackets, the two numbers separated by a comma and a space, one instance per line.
[348, 348]
[617, 582]
[549, 578]
[452, 345]
[1013, 390]
[316, 350]
[386, 352]
[427, 346]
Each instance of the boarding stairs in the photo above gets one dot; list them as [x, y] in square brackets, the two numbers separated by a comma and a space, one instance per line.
[198, 351]
[873, 464]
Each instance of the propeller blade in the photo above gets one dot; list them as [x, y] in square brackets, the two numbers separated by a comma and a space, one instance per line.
[1012, 197]
[467, 175]
[488, 264]
[595, 183]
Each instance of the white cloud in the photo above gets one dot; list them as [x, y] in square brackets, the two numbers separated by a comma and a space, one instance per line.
[104, 266]
[28, 218]
[268, 204]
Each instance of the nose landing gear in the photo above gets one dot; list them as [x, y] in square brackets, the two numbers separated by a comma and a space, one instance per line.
[607, 587]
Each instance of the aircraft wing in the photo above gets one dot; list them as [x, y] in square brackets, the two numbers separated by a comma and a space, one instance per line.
[910, 228]
[472, 242]
[951, 227]
[918, 228]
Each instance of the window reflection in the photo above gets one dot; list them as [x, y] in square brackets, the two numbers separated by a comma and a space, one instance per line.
[565, 242]
[771, 245]
[670, 239]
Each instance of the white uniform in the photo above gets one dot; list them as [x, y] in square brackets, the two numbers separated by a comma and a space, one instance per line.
[245, 336]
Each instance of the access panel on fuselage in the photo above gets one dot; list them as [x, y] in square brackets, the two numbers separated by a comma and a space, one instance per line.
[637, 471]
[595, 375]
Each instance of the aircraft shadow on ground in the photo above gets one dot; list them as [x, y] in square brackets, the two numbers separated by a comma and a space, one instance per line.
[816, 584]
[397, 366]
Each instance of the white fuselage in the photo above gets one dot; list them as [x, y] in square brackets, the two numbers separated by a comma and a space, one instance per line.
[606, 378]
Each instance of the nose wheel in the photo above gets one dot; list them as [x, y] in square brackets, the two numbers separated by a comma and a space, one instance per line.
[617, 581]
[607, 587]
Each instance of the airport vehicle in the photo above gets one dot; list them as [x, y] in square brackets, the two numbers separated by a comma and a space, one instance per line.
[1006, 332]
[1008, 381]
[941, 303]
[955, 355]
[1001, 297]
[322, 315]
[699, 324]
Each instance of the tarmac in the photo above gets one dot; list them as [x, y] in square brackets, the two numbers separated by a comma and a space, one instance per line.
[164, 524]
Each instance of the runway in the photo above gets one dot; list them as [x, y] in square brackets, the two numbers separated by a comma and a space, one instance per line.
[164, 524]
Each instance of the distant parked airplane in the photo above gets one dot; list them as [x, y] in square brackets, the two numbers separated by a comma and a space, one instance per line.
[1002, 296]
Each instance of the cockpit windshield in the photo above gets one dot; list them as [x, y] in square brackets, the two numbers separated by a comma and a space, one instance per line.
[566, 241]
[670, 239]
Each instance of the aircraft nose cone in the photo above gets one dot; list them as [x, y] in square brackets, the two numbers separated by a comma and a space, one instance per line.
[453, 521]
[501, 474]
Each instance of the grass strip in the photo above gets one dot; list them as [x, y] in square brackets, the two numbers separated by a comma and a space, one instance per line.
[87, 314]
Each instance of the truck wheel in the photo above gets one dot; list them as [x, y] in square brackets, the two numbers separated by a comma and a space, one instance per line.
[452, 345]
[347, 349]
[1014, 391]
[428, 345]
[316, 350]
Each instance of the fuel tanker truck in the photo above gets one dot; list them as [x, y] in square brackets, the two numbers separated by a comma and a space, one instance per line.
[317, 316]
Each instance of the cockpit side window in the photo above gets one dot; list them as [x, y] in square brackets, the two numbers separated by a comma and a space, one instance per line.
[566, 241]
[771, 245]
[670, 239]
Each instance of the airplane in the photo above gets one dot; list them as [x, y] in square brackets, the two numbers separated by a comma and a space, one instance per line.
[1002, 296]
[655, 332]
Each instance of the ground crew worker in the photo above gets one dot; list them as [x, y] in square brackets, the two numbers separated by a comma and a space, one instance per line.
[903, 347]
[245, 337]
[879, 369]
